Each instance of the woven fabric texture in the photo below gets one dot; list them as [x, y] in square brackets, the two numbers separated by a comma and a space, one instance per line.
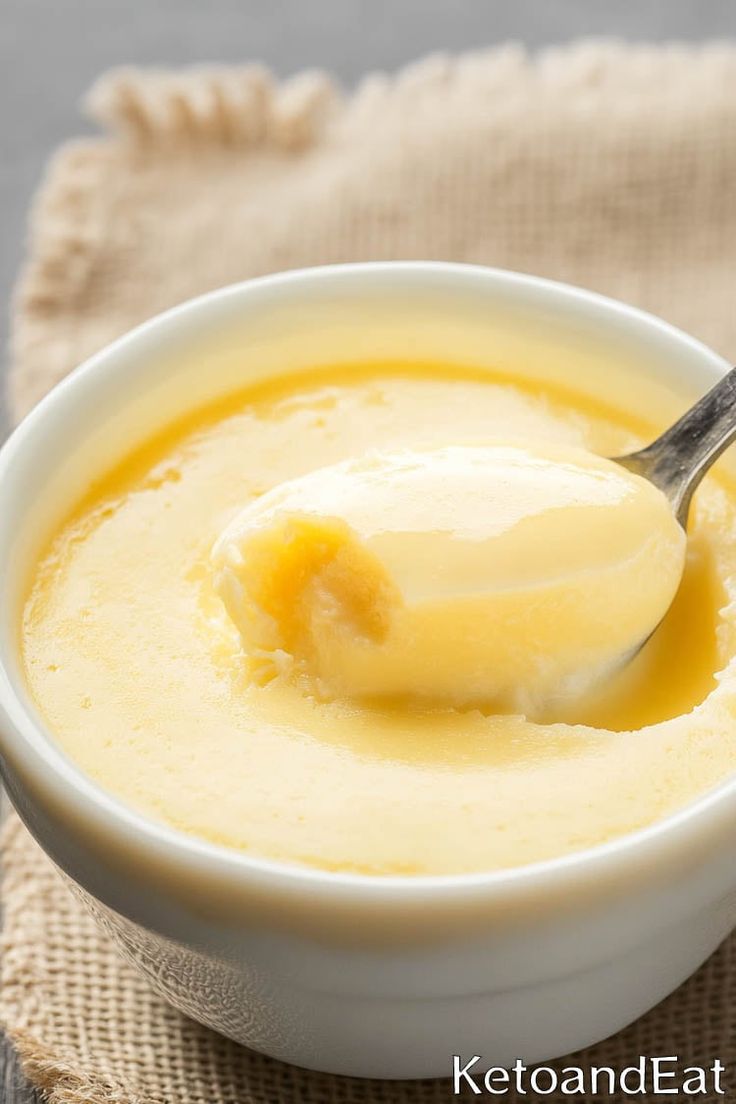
[607, 166]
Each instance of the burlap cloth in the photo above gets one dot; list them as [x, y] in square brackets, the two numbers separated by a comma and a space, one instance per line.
[607, 166]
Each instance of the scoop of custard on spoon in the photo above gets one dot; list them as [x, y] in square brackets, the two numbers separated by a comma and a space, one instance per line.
[502, 576]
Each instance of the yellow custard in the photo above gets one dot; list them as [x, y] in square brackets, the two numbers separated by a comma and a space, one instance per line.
[507, 576]
[372, 763]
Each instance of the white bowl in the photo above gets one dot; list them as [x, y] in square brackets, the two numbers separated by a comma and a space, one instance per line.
[382, 977]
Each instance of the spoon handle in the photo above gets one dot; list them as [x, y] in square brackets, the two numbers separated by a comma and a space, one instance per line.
[678, 460]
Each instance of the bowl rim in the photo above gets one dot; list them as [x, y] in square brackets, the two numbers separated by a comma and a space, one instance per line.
[25, 740]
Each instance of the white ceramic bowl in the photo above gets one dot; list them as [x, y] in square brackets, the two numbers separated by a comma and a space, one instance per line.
[384, 977]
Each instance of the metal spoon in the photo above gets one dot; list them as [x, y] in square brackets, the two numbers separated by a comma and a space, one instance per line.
[677, 461]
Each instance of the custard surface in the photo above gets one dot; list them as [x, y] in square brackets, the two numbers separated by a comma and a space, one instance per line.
[138, 672]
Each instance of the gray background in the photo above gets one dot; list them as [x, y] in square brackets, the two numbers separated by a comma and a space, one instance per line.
[51, 51]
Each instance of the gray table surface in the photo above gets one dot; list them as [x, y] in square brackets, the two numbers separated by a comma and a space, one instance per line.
[51, 51]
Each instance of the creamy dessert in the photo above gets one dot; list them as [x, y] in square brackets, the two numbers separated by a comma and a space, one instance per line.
[379, 621]
[505, 576]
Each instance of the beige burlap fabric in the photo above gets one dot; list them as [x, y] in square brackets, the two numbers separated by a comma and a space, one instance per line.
[606, 166]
